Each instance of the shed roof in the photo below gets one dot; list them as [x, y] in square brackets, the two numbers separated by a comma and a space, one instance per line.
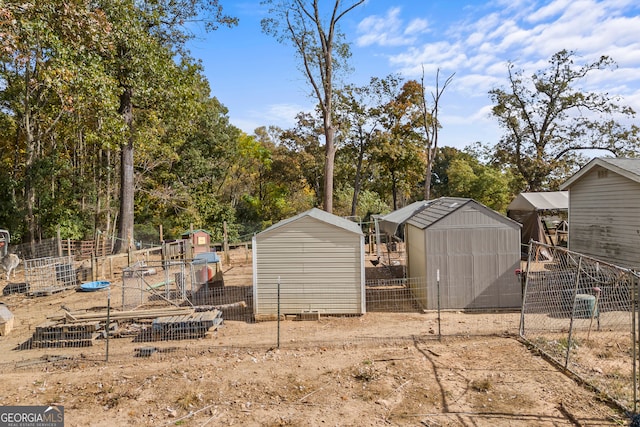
[540, 201]
[389, 223]
[199, 230]
[320, 215]
[629, 168]
[440, 208]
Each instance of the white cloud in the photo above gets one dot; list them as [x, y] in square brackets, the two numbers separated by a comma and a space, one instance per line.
[282, 115]
[480, 44]
[546, 12]
[389, 30]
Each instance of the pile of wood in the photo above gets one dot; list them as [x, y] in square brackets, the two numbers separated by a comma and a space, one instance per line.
[80, 329]
[52, 334]
[187, 326]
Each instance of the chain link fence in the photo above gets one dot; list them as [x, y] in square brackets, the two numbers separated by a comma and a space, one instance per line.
[582, 313]
[189, 305]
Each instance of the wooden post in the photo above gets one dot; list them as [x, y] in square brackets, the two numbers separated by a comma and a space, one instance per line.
[94, 267]
[59, 241]
[161, 234]
[225, 244]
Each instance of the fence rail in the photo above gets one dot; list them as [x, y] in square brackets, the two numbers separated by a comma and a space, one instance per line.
[582, 313]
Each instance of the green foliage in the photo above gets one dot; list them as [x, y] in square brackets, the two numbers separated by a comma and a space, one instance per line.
[548, 120]
[147, 233]
[369, 202]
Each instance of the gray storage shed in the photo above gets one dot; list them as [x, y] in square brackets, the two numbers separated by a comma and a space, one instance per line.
[318, 258]
[604, 211]
[471, 250]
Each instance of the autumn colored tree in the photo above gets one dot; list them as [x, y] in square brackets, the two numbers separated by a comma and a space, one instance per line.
[547, 120]
[358, 114]
[322, 50]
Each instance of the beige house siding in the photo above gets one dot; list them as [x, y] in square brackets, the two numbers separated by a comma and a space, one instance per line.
[320, 267]
[604, 217]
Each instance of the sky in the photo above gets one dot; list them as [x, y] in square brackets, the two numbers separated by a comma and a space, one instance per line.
[259, 81]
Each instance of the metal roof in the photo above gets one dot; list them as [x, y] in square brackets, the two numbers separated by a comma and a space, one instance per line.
[389, 223]
[442, 207]
[539, 201]
[629, 168]
[199, 230]
[320, 215]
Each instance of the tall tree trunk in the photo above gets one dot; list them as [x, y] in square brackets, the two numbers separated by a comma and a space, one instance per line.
[329, 161]
[125, 224]
[429, 171]
[357, 184]
[29, 190]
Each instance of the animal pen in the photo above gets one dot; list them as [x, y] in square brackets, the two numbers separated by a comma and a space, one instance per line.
[174, 282]
[48, 275]
[582, 314]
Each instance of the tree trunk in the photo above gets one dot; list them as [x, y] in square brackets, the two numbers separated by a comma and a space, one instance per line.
[357, 181]
[29, 190]
[125, 224]
[329, 161]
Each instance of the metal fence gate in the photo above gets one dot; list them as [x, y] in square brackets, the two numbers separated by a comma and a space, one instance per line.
[582, 313]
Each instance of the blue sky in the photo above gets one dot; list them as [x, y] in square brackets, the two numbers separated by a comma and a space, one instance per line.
[258, 79]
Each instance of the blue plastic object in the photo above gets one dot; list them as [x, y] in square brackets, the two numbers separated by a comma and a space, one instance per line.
[95, 286]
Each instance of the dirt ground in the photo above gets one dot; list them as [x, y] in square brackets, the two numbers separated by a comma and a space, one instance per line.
[374, 370]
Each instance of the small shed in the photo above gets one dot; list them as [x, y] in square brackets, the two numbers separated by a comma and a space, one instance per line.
[467, 253]
[534, 209]
[318, 260]
[200, 241]
[604, 211]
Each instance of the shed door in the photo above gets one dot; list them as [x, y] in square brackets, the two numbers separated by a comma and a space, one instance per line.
[473, 264]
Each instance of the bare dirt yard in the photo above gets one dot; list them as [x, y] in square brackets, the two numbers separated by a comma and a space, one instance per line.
[378, 369]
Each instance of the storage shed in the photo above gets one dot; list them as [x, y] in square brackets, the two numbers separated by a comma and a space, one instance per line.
[604, 211]
[200, 241]
[318, 259]
[468, 251]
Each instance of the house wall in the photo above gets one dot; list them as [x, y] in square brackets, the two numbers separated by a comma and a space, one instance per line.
[604, 217]
[320, 268]
[476, 255]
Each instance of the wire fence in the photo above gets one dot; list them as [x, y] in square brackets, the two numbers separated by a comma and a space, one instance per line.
[191, 305]
[581, 313]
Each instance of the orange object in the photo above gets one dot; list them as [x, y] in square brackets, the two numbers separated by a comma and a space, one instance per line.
[206, 274]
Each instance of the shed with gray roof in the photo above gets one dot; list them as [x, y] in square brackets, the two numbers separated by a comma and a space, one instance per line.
[318, 259]
[604, 211]
[466, 253]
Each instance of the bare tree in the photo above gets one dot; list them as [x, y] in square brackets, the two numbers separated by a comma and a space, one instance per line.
[320, 47]
[431, 126]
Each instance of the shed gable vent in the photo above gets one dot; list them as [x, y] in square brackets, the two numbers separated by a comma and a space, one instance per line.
[603, 173]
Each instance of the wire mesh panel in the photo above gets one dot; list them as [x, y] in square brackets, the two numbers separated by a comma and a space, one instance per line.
[394, 295]
[580, 312]
[148, 282]
[49, 275]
